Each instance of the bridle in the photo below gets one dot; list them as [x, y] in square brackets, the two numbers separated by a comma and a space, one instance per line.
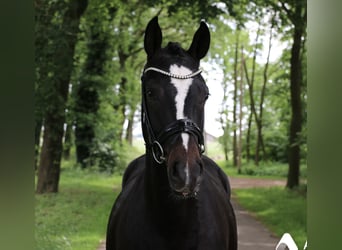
[153, 142]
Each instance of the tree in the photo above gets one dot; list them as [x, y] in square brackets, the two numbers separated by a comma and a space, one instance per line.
[241, 90]
[290, 13]
[235, 100]
[296, 12]
[93, 75]
[44, 13]
[253, 111]
[257, 112]
[61, 45]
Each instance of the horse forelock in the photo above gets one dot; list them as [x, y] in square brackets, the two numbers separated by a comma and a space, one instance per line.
[176, 49]
[171, 54]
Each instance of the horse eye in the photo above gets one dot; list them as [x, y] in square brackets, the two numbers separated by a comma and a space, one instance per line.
[207, 96]
[150, 94]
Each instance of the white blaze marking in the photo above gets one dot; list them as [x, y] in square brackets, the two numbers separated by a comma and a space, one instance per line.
[182, 86]
[187, 176]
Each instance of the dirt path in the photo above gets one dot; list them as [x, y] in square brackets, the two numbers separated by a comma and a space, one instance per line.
[102, 245]
[236, 183]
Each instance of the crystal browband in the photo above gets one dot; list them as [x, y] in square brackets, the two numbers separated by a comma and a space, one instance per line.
[173, 75]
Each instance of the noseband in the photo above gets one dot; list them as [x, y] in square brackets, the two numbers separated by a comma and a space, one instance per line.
[175, 128]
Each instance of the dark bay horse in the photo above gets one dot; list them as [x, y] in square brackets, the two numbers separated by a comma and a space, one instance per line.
[173, 197]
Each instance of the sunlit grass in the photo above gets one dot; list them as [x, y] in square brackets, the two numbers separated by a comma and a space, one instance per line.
[76, 217]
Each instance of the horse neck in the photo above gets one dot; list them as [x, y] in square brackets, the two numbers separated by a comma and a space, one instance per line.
[155, 180]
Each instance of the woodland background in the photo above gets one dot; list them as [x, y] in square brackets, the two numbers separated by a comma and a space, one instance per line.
[88, 61]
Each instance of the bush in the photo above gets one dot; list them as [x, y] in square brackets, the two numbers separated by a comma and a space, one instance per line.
[271, 169]
[105, 157]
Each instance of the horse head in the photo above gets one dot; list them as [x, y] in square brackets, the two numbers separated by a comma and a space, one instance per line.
[173, 98]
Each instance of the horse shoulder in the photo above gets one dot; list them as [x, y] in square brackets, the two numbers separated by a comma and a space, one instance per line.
[217, 174]
[122, 211]
[217, 199]
[133, 169]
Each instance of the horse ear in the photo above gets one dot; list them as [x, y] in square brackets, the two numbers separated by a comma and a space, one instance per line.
[153, 37]
[200, 43]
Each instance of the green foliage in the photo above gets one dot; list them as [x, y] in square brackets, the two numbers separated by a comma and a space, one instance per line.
[264, 170]
[279, 209]
[276, 170]
[104, 156]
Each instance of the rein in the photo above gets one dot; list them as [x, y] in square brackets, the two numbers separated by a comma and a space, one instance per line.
[154, 142]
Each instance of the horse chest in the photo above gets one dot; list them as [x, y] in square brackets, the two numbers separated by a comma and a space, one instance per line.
[173, 232]
[141, 227]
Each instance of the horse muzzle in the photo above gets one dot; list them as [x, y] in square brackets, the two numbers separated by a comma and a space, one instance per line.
[184, 169]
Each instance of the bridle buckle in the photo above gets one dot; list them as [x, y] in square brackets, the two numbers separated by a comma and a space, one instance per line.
[158, 155]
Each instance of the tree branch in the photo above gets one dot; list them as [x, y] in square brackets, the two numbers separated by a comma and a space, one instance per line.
[288, 12]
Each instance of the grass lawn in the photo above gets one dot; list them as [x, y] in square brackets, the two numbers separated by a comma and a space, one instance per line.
[76, 217]
[281, 210]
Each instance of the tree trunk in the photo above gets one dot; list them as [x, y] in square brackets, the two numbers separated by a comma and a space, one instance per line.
[87, 104]
[248, 137]
[50, 157]
[253, 110]
[129, 129]
[250, 83]
[37, 134]
[260, 142]
[49, 166]
[240, 113]
[296, 108]
[299, 21]
[122, 92]
[67, 142]
[120, 107]
[235, 146]
[224, 125]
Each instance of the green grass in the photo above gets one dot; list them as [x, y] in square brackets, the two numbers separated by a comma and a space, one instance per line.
[266, 170]
[76, 217]
[279, 209]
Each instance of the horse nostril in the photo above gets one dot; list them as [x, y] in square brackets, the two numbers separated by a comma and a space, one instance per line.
[177, 175]
[185, 178]
[177, 171]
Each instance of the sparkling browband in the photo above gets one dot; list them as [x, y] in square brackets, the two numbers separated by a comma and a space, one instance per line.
[173, 75]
